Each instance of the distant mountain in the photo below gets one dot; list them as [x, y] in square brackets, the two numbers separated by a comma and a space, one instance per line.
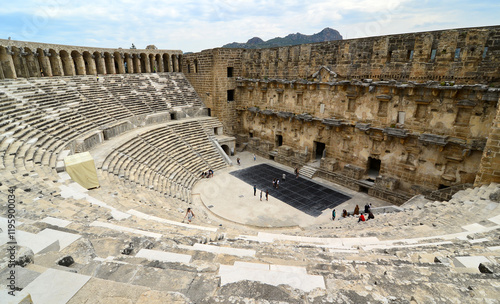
[326, 34]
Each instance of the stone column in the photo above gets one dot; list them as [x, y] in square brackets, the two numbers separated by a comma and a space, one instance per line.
[147, 64]
[79, 64]
[45, 63]
[130, 63]
[137, 63]
[101, 64]
[121, 65]
[175, 64]
[110, 64]
[7, 63]
[92, 65]
[160, 65]
[56, 65]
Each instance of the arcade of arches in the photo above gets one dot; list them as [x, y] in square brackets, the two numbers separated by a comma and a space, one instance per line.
[25, 59]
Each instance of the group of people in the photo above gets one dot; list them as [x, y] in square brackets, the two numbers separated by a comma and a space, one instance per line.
[261, 192]
[362, 217]
[209, 173]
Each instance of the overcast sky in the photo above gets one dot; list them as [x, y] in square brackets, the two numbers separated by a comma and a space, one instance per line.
[198, 25]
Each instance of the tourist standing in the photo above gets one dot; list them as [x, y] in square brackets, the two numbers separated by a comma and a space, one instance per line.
[254, 158]
[333, 215]
[267, 195]
[254, 190]
[261, 195]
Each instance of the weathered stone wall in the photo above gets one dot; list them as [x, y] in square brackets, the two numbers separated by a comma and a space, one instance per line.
[208, 73]
[117, 129]
[410, 101]
[463, 55]
[427, 135]
[489, 170]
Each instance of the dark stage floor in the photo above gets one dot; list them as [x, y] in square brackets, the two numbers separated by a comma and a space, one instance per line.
[300, 193]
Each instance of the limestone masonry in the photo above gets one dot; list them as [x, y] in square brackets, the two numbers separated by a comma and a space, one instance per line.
[417, 112]
[408, 123]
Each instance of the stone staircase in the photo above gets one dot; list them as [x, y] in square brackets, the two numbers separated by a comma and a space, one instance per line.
[214, 266]
[307, 171]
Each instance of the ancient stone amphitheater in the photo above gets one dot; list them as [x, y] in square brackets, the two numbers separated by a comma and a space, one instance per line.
[409, 123]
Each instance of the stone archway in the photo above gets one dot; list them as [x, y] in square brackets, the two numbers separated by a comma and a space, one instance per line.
[226, 149]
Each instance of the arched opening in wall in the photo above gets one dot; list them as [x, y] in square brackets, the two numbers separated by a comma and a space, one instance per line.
[55, 63]
[441, 186]
[196, 65]
[319, 147]
[90, 66]
[143, 63]
[67, 63]
[209, 112]
[373, 167]
[226, 150]
[128, 64]
[6, 64]
[174, 63]
[188, 64]
[172, 116]
[119, 62]
[179, 63]
[166, 62]
[278, 141]
[159, 64]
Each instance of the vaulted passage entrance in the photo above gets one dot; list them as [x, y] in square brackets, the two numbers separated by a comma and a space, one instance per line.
[320, 149]
[373, 167]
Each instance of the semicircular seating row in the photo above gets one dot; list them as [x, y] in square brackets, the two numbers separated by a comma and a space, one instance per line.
[169, 159]
[40, 117]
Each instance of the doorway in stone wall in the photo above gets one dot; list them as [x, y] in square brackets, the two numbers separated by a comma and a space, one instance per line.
[226, 150]
[279, 140]
[320, 149]
[373, 167]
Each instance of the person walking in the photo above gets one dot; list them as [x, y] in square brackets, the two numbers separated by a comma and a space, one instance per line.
[189, 215]
[267, 195]
[254, 190]
[261, 195]
[333, 215]
[254, 158]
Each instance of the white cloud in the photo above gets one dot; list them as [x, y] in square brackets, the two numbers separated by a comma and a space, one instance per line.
[194, 25]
